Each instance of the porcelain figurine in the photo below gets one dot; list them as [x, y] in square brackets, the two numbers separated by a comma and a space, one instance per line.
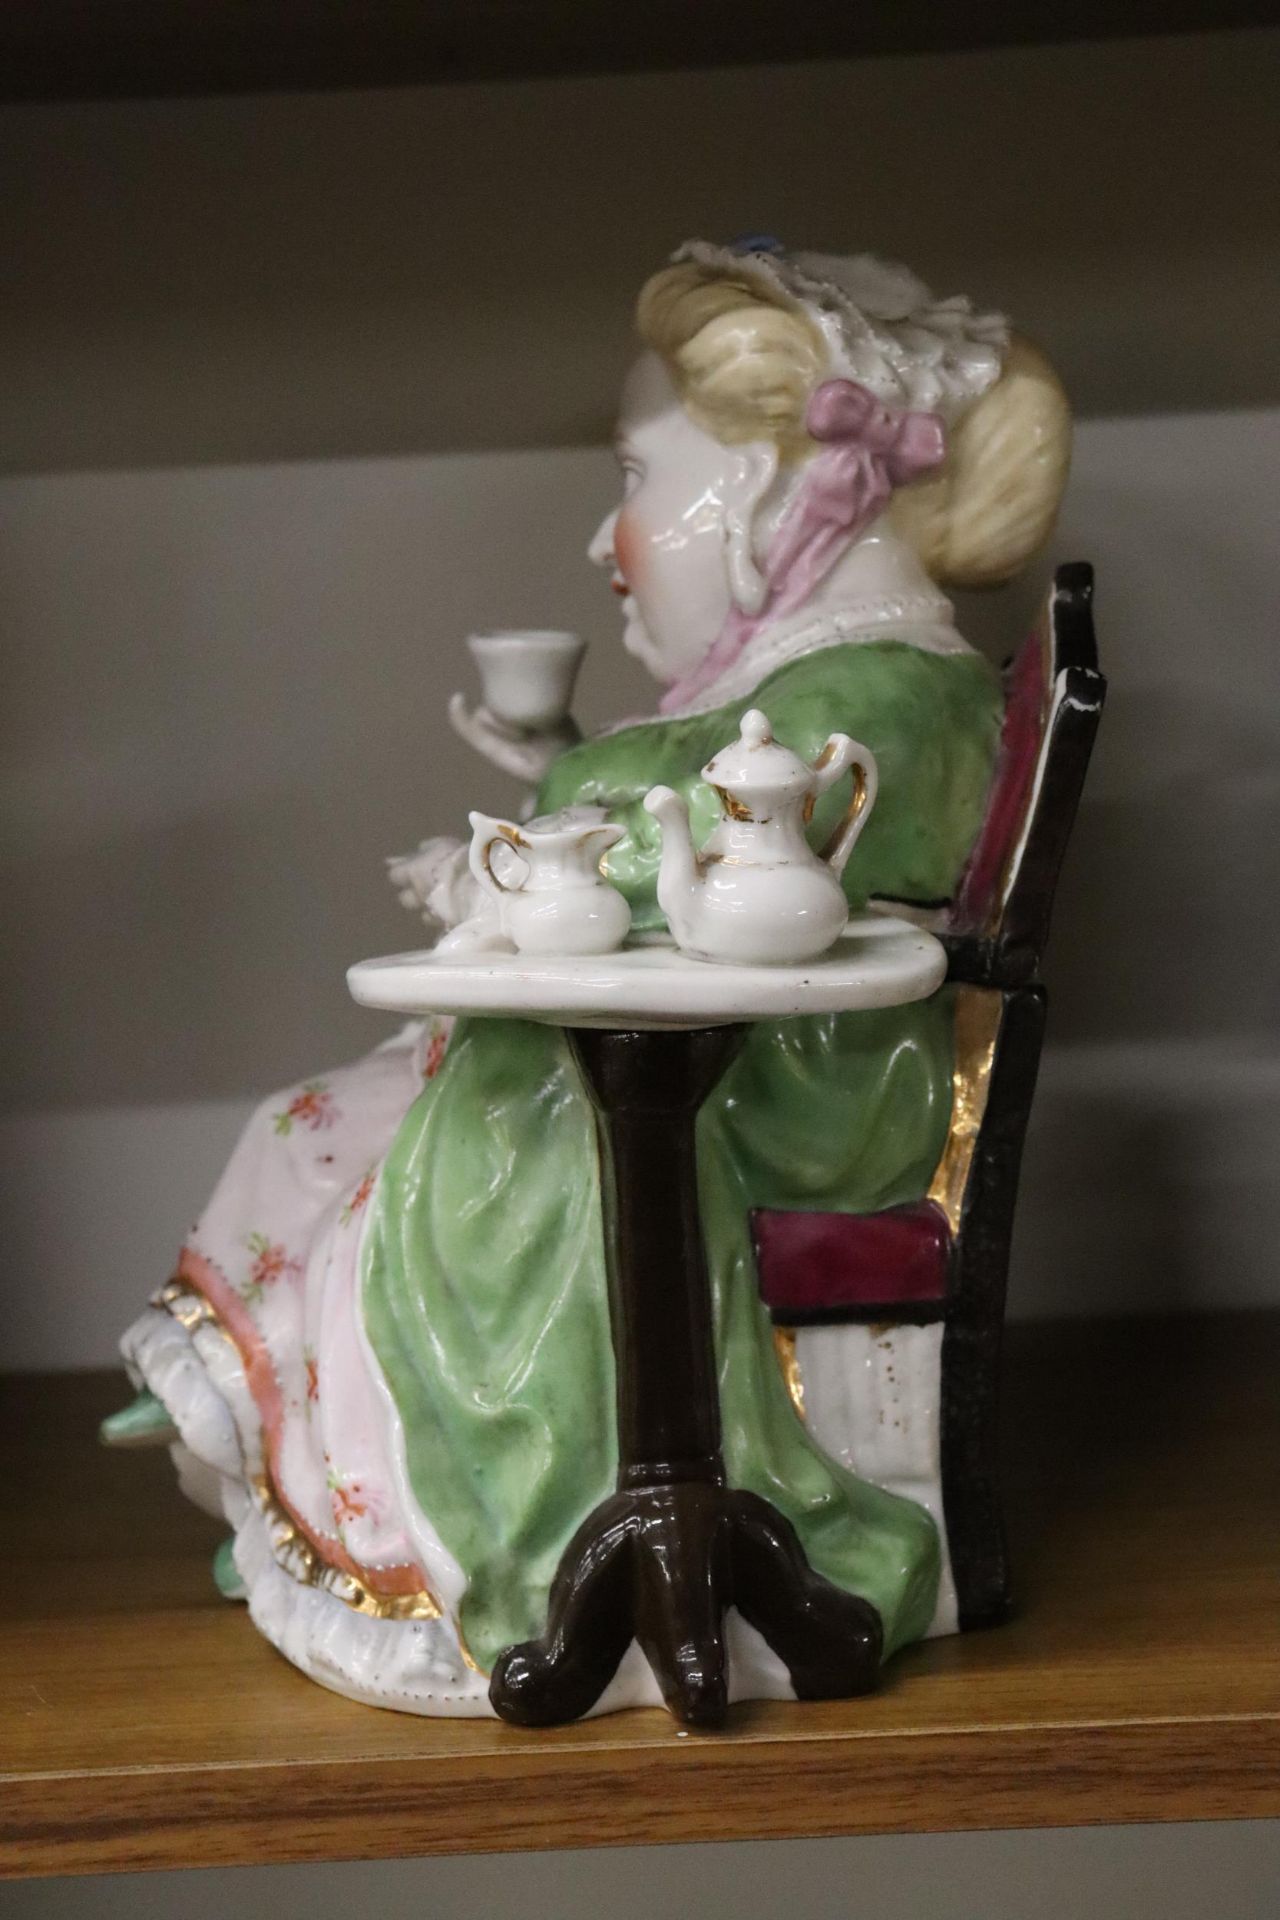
[384, 1354]
[757, 894]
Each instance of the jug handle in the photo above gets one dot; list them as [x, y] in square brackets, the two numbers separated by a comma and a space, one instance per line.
[487, 835]
[866, 780]
[607, 834]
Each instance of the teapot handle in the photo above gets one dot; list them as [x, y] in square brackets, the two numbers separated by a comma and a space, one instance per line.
[840, 755]
[486, 835]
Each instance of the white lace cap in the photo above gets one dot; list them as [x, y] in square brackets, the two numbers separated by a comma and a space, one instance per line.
[882, 325]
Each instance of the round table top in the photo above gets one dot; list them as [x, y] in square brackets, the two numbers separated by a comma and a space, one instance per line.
[877, 962]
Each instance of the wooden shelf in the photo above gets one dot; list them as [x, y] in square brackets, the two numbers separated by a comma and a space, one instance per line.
[63, 49]
[143, 1723]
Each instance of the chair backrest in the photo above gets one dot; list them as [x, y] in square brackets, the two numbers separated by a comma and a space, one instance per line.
[997, 925]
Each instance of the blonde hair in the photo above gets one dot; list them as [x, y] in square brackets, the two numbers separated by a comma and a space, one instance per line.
[992, 503]
[745, 361]
[746, 354]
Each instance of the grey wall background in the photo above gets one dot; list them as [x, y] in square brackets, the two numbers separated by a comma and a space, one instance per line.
[346, 274]
[297, 391]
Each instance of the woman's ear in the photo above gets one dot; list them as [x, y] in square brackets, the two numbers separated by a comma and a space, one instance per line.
[750, 477]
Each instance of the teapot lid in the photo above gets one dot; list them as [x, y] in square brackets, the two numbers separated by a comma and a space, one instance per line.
[755, 763]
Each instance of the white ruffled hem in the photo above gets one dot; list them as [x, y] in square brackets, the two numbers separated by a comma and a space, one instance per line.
[415, 1665]
[159, 1354]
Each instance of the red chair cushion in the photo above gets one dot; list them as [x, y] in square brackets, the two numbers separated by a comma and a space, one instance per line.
[820, 1263]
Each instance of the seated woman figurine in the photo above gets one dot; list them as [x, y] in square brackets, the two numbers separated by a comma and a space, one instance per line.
[385, 1353]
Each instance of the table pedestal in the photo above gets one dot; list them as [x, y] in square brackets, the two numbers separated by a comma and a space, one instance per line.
[662, 1559]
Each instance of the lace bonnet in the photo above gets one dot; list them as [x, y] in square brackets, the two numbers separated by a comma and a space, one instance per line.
[882, 326]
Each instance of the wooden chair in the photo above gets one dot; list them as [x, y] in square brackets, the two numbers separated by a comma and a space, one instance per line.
[942, 1262]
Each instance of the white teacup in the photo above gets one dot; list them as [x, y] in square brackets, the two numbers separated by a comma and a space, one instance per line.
[527, 678]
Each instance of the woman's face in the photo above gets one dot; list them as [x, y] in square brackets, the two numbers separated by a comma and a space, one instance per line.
[665, 545]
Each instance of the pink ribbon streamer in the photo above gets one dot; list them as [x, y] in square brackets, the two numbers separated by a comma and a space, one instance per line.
[869, 448]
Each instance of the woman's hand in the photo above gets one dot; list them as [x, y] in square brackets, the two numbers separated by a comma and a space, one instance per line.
[436, 882]
[524, 755]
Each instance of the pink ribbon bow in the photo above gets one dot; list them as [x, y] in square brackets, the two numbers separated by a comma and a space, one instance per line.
[868, 449]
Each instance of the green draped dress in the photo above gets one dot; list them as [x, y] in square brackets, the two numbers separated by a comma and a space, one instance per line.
[484, 1288]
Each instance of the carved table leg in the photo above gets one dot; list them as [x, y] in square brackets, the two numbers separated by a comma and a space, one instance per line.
[662, 1559]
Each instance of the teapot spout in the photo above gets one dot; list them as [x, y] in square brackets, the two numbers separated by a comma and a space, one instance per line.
[679, 873]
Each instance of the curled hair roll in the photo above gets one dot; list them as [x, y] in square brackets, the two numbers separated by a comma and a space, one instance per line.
[992, 503]
[745, 361]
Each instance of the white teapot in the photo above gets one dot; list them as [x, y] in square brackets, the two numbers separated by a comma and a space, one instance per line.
[550, 895]
[757, 894]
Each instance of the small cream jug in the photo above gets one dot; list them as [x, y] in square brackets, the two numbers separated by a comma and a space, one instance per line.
[757, 894]
[561, 903]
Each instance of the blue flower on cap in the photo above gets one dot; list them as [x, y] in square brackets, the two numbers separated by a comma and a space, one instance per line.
[757, 243]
